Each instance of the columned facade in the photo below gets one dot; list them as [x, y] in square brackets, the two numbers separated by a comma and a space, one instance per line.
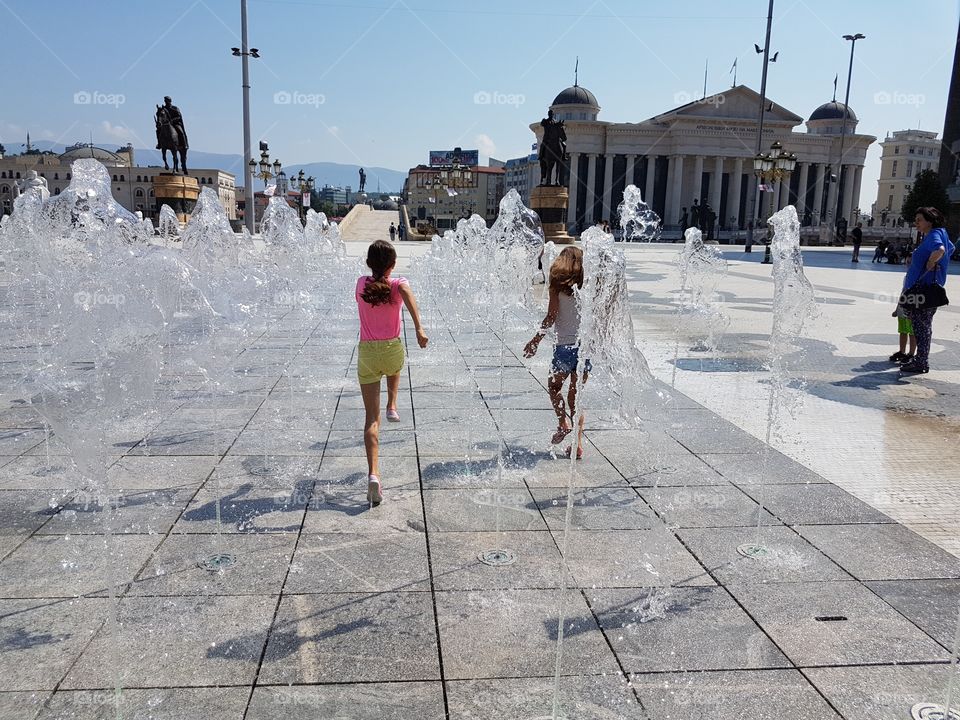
[704, 151]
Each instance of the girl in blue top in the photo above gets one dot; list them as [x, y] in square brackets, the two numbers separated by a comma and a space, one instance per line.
[929, 264]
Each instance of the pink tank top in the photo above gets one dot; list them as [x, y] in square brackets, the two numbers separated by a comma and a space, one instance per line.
[380, 322]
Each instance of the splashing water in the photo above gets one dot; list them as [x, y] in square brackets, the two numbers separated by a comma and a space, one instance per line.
[638, 222]
[169, 224]
[702, 268]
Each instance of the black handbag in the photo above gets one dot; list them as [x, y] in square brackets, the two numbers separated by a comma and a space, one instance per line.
[924, 296]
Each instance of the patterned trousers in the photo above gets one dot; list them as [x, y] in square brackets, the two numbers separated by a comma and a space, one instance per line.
[922, 320]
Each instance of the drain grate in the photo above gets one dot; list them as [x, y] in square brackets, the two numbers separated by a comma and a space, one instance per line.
[830, 618]
[752, 550]
[931, 711]
[217, 562]
[497, 557]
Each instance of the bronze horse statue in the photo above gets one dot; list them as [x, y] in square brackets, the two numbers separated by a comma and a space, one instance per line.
[170, 136]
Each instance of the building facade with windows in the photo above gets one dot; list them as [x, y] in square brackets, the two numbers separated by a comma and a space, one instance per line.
[905, 154]
[521, 174]
[704, 150]
[131, 185]
[435, 197]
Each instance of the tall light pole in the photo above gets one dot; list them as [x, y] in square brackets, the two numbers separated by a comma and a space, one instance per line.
[755, 213]
[843, 131]
[244, 52]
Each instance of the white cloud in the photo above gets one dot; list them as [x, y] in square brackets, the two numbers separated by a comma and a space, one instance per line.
[485, 144]
[117, 132]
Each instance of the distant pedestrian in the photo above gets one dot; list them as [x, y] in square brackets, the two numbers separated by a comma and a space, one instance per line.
[928, 266]
[748, 246]
[880, 251]
[684, 221]
[857, 239]
[401, 232]
[393, 232]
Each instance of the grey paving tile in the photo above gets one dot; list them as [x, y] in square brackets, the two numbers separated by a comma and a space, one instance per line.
[882, 552]
[350, 444]
[546, 470]
[174, 569]
[482, 509]
[881, 691]
[347, 510]
[19, 441]
[375, 701]
[872, 633]
[158, 704]
[42, 638]
[480, 471]
[930, 604]
[177, 642]
[789, 557]
[457, 443]
[347, 562]
[352, 638]
[69, 566]
[513, 633]
[713, 435]
[34, 472]
[245, 509]
[425, 399]
[264, 471]
[182, 441]
[19, 705]
[309, 441]
[708, 506]
[731, 695]
[595, 509]
[155, 473]
[342, 473]
[679, 629]
[456, 565]
[129, 512]
[599, 697]
[631, 558]
[813, 504]
[23, 511]
[765, 467]
[354, 419]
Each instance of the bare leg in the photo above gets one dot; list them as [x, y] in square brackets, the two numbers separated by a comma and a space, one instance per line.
[371, 426]
[572, 403]
[903, 342]
[913, 344]
[393, 389]
[555, 389]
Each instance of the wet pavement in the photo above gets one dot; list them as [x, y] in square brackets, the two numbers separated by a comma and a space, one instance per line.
[327, 608]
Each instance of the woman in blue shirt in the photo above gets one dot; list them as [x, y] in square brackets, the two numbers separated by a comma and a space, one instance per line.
[929, 264]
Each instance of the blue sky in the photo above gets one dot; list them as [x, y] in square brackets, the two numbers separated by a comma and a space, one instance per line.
[381, 82]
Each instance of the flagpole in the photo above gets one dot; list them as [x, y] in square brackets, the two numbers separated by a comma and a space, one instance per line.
[755, 213]
[706, 64]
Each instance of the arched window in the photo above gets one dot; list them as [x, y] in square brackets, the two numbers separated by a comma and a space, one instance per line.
[5, 189]
[56, 191]
[139, 192]
[18, 176]
[114, 178]
[209, 181]
[122, 179]
[151, 192]
[3, 174]
[56, 176]
[68, 176]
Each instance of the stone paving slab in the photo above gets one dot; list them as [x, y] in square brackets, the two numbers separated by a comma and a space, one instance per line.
[383, 700]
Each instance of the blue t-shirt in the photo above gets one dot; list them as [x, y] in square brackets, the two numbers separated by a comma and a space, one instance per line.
[935, 239]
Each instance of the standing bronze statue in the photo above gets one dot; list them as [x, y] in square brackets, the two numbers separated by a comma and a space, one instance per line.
[363, 180]
[171, 135]
[552, 150]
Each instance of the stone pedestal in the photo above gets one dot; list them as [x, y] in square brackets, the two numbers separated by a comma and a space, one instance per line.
[550, 203]
[180, 192]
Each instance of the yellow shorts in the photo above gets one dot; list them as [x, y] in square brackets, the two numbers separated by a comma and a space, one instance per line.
[376, 358]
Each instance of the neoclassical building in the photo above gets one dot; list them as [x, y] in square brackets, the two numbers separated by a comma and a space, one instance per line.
[704, 150]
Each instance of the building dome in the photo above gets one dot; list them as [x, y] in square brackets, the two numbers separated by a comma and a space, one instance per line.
[576, 95]
[832, 110]
[79, 151]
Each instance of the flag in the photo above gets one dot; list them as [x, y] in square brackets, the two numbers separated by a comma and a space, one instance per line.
[451, 192]
[430, 199]
[835, 87]
[733, 67]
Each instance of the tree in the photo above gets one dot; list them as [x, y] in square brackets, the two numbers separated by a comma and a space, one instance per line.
[927, 191]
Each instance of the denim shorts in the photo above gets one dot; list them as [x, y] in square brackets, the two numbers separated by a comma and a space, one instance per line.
[565, 359]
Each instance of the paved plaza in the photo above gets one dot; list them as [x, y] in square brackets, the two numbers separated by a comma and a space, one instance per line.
[337, 611]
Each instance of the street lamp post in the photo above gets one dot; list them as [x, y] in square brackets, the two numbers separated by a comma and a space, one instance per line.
[262, 170]
[303, 185]
[843, 131]
[776, 166]
[244, 52]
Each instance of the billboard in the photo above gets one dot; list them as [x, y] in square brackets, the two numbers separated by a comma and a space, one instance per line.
[469, 158]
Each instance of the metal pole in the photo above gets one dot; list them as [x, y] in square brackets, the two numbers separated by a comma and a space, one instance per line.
[843, 134]
[251, 208]
[755, 212]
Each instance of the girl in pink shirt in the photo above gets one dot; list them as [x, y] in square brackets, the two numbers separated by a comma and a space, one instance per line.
[381, 349]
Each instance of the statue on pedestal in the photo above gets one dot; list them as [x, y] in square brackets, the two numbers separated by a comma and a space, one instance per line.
[363, 180]
[552, 150]
[171, 134]
[32, 183]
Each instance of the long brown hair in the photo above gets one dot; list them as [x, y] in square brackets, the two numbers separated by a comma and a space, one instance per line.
[380, 258]
[567, 271]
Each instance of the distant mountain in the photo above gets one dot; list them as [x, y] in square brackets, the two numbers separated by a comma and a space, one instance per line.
[324, 173]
